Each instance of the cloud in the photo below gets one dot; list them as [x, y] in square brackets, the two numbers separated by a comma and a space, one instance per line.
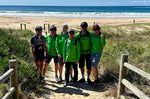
[111, 3]
[140, 2]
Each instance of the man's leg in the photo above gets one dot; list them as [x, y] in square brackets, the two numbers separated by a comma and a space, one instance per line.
[88, 66]
[81, 66]
[45, 68]
[75, 68]
[71, 79]
[56, 68]
[67, 70]
[60, 68]
[37, 64]
[94, 71]
[47, 60]
[41, 66]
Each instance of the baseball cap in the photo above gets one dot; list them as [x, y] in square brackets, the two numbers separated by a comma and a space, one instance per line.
[38, 28]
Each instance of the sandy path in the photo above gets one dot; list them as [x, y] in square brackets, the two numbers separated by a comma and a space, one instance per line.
[53, 90]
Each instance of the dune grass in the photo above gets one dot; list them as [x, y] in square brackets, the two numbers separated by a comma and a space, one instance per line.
[131, 39]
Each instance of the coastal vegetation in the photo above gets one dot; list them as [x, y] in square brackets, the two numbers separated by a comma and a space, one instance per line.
[131, 39]
[14, 44]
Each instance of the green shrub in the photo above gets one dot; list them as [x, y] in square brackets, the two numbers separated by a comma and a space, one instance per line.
[15, 45]
[3, 90]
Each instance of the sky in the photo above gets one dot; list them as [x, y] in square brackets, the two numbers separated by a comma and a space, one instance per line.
[77, 2]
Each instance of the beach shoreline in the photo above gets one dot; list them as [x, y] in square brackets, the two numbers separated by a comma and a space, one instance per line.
[32, 22]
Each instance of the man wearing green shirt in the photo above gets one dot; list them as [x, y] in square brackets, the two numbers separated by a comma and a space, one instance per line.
[97, 44]
[85, 45]
[71, 55]
[60, 40]
[51, 51]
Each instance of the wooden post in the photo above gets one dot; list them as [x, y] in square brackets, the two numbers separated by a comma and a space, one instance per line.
[133, 21]
[94, 23]
[25, 26]
[44, 27]
[122, 74]
[48, 28]
[14, 78]
[21, 26]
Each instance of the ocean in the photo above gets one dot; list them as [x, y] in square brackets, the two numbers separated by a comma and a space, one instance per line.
[77, 11]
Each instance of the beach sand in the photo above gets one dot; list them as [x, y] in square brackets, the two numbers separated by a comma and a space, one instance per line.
[31, 22]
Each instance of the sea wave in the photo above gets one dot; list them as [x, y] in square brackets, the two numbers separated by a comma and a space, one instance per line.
[73, 14]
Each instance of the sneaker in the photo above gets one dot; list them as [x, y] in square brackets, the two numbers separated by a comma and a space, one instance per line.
[95, 83]
[60, 79]
[56, 78]
[66, 84]
[98, 81]
[75, 82]
[89, 81]
[42, 78]
[71, 79]
[82, 80]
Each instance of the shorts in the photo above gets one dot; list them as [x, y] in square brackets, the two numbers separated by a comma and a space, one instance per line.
[38, 59]
[60, 60]
[48, 59]
[84, 57]
[95, 59]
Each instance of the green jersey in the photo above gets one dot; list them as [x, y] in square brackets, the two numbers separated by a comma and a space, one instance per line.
[51, 45]
[97, 43]
[85, 42]
[60, 42]
[71, 50]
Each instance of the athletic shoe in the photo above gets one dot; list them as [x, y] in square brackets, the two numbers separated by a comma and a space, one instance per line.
[98, 81]
[71, 79]
[66, 84]
[42, 78]
[89, 81]
[95, 83]
[60, 78]
[82, 80]
[75, 82]
[56, 78]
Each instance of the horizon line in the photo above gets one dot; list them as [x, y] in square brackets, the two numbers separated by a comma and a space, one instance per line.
[75, 5]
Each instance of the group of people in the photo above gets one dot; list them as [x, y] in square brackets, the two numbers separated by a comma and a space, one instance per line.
[69, 49]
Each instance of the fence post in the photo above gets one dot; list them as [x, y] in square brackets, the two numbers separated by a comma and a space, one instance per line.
[44, 27]
[14, 78]
[133, 21]
[94, 23]
[25, 26]
[122, 74]
[48, 28]
[21, 26]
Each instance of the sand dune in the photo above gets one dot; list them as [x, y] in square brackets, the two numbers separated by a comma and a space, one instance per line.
[31, 22]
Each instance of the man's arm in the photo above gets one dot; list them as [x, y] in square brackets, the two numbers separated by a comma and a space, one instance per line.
[31, 49]
[45, 47]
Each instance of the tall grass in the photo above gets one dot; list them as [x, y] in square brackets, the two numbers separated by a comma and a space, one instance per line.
[14, 44]
[131, 39]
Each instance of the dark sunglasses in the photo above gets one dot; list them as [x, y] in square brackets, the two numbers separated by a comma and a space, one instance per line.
[71, 32]
[53, 30]
[83, 26]
[38, 29]
[95, 29]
